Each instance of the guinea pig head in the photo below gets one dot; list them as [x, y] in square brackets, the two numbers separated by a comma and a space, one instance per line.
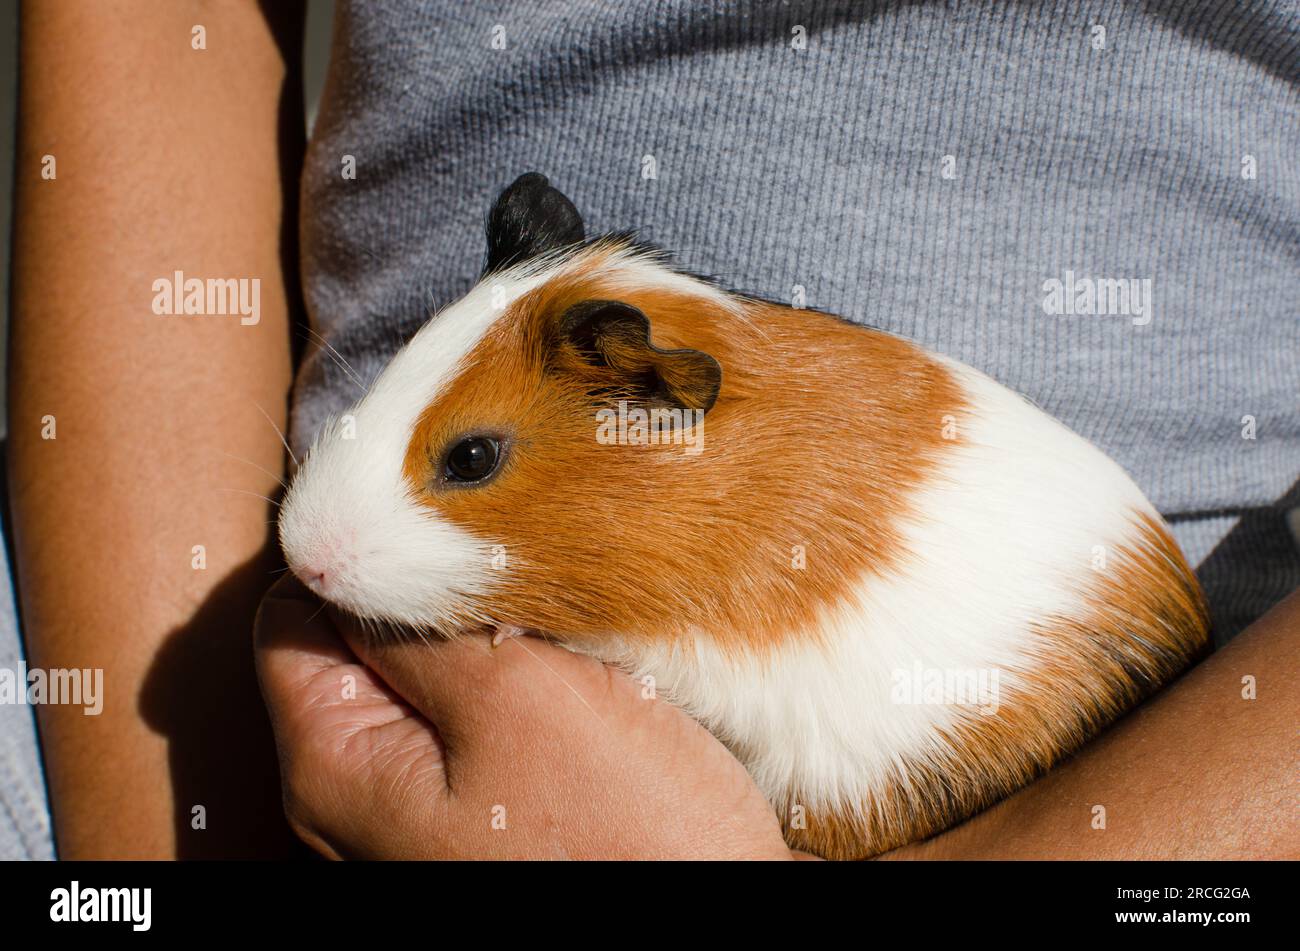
[533, 456]
[591, 443]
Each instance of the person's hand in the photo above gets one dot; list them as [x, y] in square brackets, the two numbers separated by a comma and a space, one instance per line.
[457, 749]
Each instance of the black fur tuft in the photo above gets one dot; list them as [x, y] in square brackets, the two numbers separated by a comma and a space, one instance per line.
[530, 218]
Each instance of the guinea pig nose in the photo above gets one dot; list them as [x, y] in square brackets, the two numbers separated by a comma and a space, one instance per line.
[315, 576]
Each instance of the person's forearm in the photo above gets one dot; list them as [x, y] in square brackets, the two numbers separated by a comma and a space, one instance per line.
[165, 158]
[1200, 772]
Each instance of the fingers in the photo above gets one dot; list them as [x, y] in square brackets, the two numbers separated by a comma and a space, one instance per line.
[547, 753]
[294, 640]
[304, 666]
[551, 753]
[339, 729]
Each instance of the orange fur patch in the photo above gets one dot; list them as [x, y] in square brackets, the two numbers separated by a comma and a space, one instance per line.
[819, 429]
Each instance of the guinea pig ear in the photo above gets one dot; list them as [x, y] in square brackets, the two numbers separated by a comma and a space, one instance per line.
[610, 343]
[529, 218]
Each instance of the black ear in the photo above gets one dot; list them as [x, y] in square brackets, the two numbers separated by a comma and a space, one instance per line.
[529, 218]
[610, 342]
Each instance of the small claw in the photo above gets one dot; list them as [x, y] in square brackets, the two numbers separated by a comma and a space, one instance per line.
[506, 631]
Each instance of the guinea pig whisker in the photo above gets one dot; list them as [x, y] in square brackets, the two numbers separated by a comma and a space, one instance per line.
[569, 686]
[323, 606]
[284, 442]
[338, 359]
[256, 495]
[250, 462]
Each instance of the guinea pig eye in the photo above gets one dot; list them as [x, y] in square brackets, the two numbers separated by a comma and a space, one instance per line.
[472, 459]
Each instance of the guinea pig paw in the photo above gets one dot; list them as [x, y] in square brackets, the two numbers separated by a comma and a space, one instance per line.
[506, 631]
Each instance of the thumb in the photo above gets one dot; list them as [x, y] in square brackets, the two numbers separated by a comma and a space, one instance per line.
[319, 695]
[342, 735]
[297, 648]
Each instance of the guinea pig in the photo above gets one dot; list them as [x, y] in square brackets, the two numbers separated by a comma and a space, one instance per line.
[894, 589]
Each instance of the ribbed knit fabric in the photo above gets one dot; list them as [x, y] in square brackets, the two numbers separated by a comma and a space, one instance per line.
[25, 831]
[825, 168]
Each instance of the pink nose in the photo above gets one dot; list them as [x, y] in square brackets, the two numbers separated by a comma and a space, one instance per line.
[316, 576]
[321, 564]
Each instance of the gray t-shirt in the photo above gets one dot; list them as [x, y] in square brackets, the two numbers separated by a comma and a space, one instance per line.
[962, 174]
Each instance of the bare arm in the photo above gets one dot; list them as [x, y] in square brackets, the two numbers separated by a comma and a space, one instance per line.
[168, 158]
[1199, 772]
